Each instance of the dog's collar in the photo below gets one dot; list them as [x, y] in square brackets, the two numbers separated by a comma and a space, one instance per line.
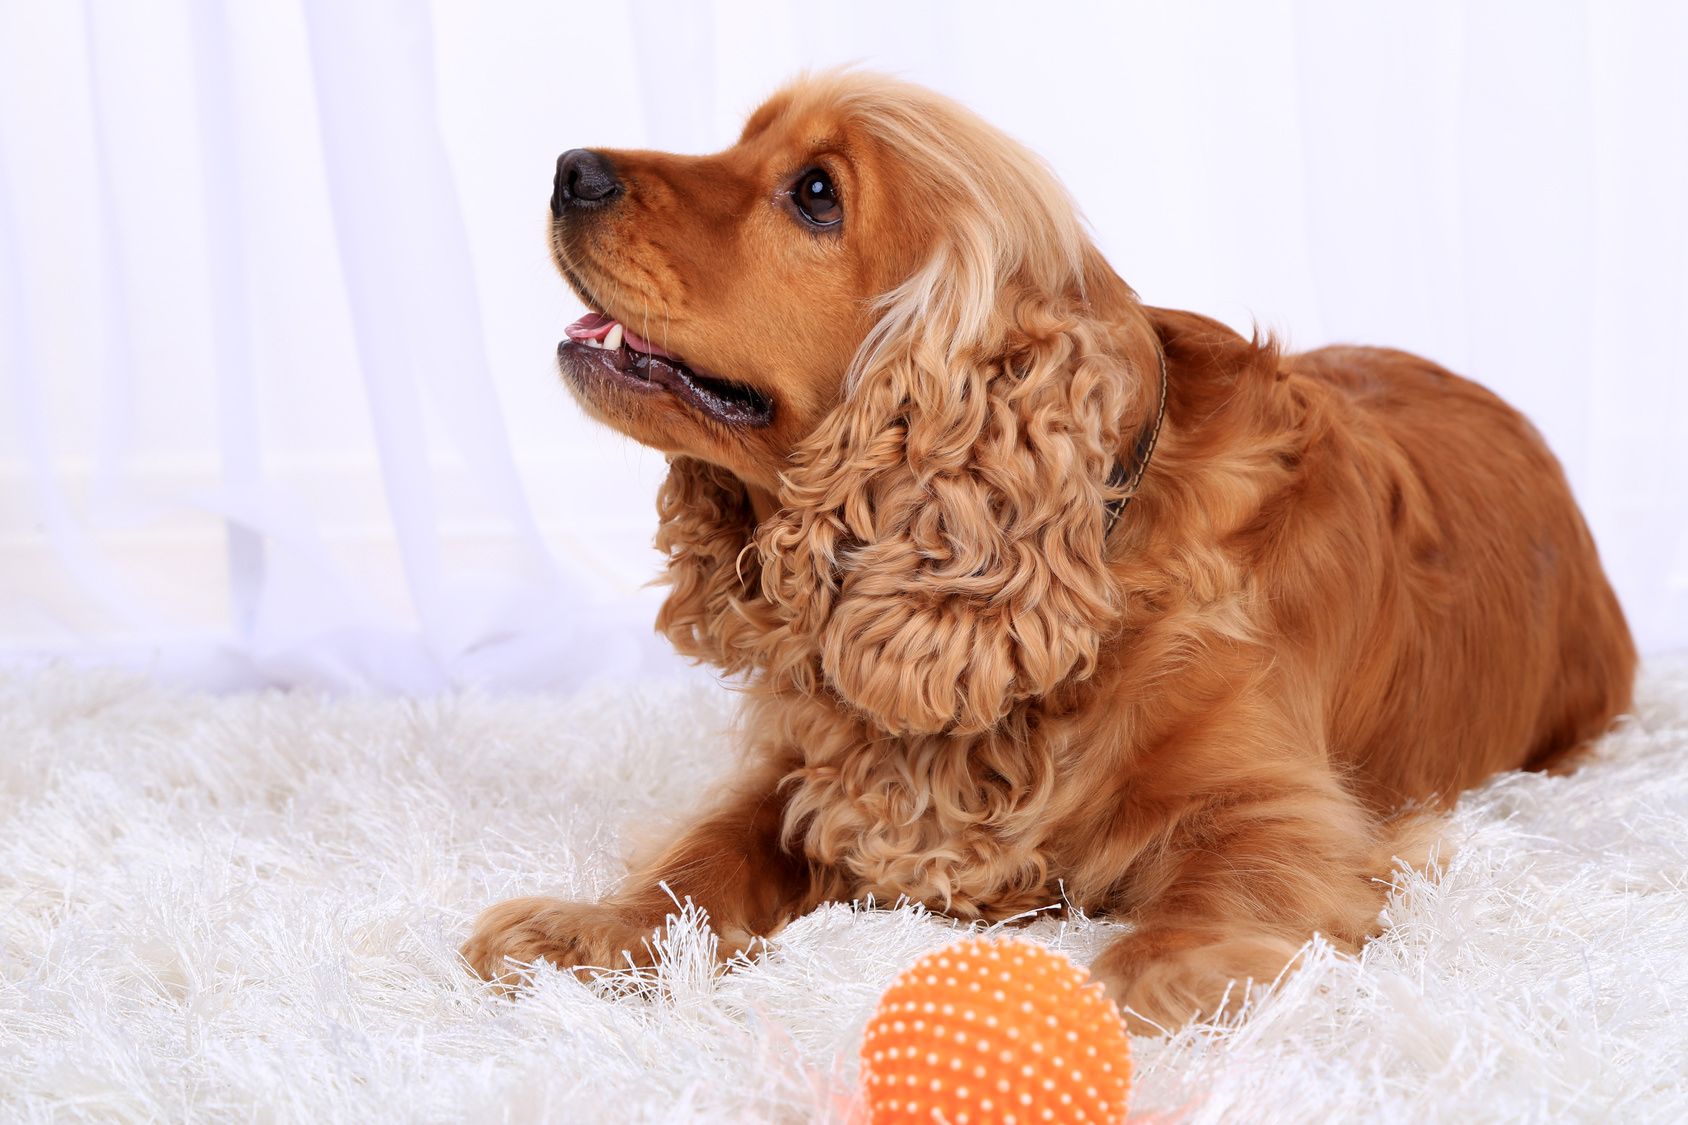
[1129, 478]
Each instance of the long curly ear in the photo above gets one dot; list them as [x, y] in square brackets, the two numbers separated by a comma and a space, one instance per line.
[942, 543]
[705, 525]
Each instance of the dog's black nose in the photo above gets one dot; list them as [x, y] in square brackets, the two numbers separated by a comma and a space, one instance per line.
[584, 179]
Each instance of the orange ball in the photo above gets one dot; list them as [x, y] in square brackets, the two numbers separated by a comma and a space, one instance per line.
[997, 1031]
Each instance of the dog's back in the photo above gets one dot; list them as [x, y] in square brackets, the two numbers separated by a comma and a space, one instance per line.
[1495, 640]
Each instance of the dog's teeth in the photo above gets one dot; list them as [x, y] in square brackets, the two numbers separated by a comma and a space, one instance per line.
[591, 343]
[612, 342]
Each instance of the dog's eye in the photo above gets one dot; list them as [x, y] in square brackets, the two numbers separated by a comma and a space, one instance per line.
[816, 198]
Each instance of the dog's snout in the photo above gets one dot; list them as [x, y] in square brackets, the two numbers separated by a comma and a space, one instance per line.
[584, 179]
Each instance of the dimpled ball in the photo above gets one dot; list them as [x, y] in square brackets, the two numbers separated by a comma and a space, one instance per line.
[995, 1031]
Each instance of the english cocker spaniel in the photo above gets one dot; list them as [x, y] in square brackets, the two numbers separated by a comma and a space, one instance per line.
[1039, 594]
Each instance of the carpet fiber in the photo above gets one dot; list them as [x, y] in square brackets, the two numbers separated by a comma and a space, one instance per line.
[248, 908]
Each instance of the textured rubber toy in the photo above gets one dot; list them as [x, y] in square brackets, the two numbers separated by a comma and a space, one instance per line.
[995, 1031]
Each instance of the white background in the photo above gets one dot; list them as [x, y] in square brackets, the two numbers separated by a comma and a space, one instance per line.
[276, 322]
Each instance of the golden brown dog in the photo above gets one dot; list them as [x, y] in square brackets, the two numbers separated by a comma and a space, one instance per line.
[1037, 592]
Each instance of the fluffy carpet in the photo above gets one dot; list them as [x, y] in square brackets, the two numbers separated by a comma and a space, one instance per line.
[248, 907]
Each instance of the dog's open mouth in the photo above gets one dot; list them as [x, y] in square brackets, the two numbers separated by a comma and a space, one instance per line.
[608, 348]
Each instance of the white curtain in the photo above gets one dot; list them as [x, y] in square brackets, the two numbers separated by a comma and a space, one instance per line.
[276, 320]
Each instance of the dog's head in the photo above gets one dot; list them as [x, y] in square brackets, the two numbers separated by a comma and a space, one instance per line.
[882, 318]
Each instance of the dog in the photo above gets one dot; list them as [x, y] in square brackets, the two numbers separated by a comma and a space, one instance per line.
[1038, 594]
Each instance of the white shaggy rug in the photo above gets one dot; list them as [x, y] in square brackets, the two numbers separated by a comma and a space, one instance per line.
[247, 908]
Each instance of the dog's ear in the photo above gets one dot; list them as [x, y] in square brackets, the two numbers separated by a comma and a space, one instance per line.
[705, 524]
[941, 546]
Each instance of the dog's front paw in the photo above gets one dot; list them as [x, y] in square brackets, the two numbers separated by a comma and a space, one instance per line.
[581, 936]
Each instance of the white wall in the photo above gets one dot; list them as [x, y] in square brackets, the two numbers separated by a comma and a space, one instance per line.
[279, 268]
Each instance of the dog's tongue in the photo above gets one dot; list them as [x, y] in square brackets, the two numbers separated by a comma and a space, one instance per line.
[592, 326]
[595, 326]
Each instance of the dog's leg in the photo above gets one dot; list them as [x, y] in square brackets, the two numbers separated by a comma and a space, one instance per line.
[730, 863]
[1235, 889]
